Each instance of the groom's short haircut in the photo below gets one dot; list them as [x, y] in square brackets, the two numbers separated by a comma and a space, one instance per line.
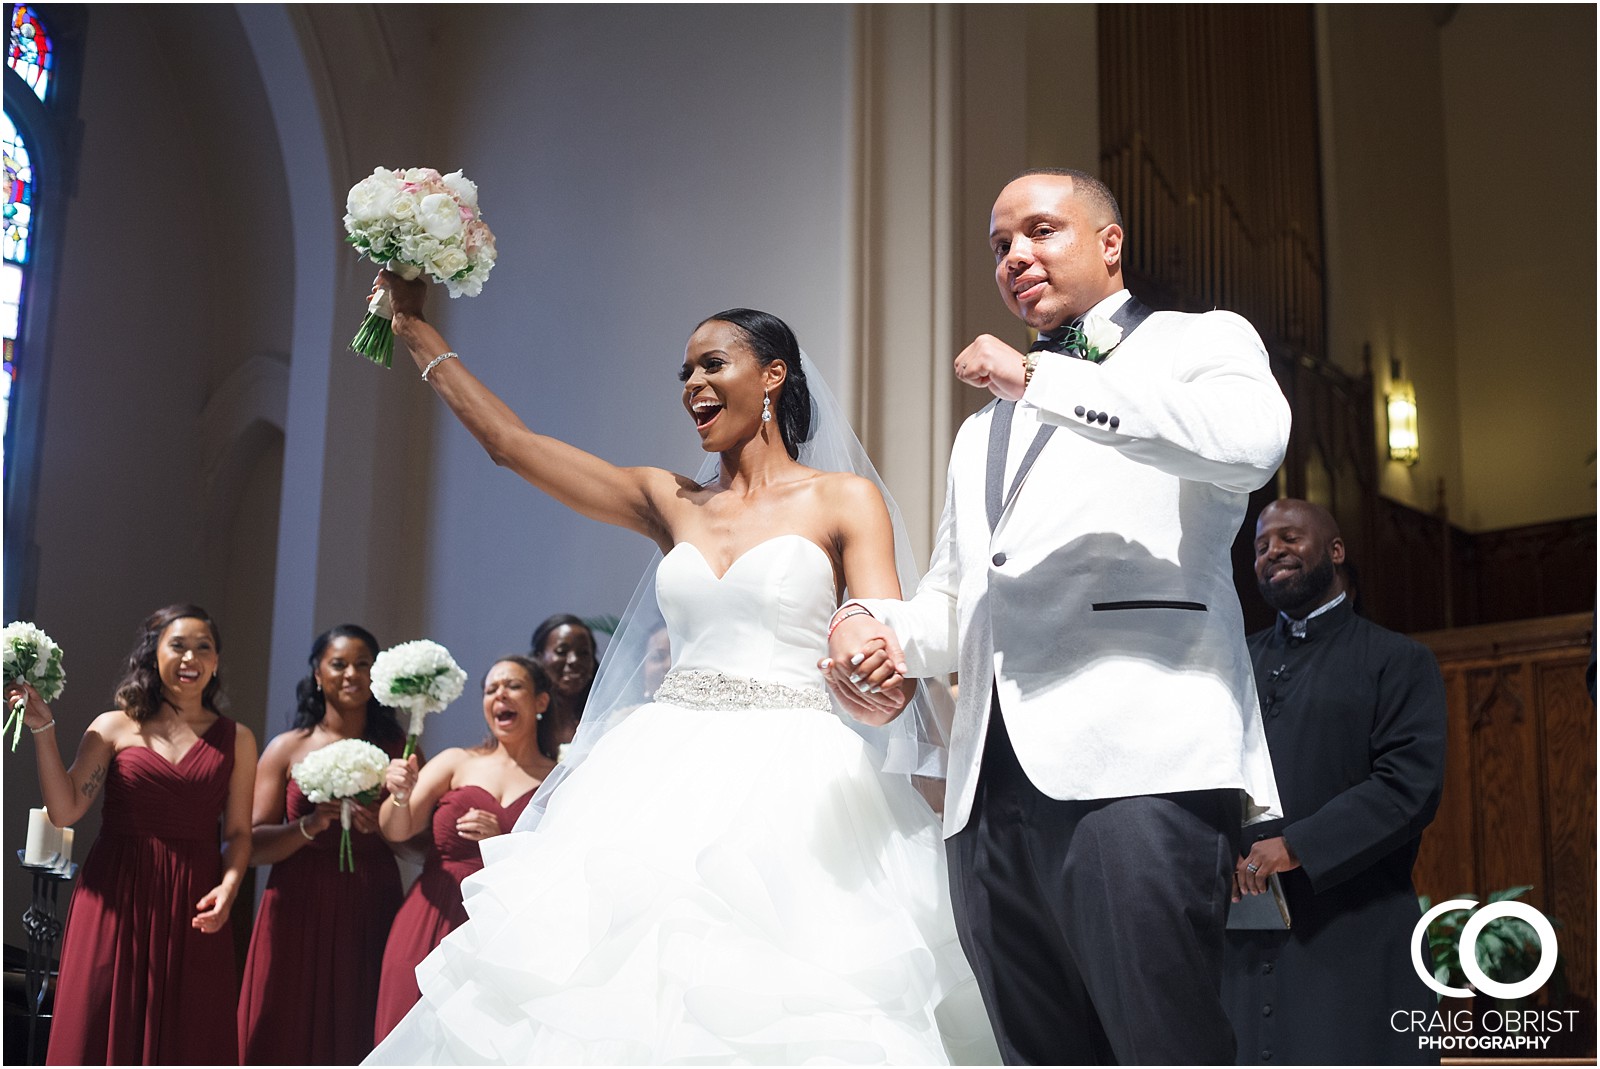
[1084, 185]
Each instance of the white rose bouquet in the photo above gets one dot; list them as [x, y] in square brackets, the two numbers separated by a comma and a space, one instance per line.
[411, 222]
[420, 677]
[349, 772]
[31, 657]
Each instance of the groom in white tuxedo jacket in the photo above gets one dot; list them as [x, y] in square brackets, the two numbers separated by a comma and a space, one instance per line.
[1107, 741]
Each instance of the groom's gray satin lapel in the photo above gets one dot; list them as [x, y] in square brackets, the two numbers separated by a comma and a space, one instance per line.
[1130, 317]
[995, 474]
[995, 496]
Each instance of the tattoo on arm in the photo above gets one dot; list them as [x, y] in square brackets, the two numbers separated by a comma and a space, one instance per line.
[92, 784]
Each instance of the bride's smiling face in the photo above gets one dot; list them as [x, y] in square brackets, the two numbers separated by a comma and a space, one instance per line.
[723, 385]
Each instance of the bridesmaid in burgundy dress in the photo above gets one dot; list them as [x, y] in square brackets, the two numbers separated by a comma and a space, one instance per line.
[311, 977]
[147, 972]
[563, 645]
[472, 795]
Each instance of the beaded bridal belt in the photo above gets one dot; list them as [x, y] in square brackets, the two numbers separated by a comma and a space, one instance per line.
[713, 690]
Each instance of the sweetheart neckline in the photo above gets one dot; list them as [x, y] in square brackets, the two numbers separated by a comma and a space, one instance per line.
[164, 759]
[735, 562]
[487, 793]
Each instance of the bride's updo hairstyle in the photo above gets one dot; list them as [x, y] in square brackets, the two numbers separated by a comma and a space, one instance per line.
[771, 339]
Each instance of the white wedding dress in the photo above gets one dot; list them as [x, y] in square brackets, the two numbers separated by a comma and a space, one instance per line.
[727, 879]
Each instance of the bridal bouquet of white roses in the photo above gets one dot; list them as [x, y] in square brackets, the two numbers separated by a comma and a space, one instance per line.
[411, 222]
[349, 772]
[31, 657]
[420, 677]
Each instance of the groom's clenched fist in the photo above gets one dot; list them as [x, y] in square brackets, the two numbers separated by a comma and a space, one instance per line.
[990, 364]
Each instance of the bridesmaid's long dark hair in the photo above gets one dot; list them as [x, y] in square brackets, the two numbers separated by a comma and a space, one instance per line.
[139, 690]
[383, 728]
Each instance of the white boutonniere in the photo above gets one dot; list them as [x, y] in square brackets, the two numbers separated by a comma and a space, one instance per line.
[1100, 336]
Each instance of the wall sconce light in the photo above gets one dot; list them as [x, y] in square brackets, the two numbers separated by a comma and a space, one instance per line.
[1402, 404]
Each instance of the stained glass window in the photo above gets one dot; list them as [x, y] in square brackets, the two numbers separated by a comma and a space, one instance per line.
[18, 211]
[18, 207]
[31, 53]
[5, 384]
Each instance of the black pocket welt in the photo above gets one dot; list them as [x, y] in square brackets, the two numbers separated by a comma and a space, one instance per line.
[1149, 603]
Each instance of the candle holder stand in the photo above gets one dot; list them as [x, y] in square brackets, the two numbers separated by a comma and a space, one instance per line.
[43, 923]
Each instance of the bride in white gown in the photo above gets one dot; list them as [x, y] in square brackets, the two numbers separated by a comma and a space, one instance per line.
[726, 874]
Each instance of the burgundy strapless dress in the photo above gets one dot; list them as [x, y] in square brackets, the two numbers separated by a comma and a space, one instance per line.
[311, 978]
[433, 908]
[139, 984]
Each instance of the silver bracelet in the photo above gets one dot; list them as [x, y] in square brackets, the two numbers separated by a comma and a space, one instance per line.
[42, 728]
[301, 824]
[844, 613]
[436, 361]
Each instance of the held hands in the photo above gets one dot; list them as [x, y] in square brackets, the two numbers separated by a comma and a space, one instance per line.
[866, 669]
[990, 364]
[478, 824]
[213, 908]
[1265, 858]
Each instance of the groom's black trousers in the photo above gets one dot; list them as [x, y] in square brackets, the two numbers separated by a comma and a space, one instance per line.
[1095, 928]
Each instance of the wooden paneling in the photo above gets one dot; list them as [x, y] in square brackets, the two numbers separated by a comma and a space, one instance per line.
[1422, 573]
[1519, 799]
[1507, 791]
[1567, 717]
[1445, 867]
[1524, 572]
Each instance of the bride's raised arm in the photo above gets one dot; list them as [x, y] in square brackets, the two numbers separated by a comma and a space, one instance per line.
[600, 490]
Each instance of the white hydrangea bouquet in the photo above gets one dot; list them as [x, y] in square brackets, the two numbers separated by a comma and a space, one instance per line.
[31, 657]
[420, 677]
[349, 772]
[415, 221]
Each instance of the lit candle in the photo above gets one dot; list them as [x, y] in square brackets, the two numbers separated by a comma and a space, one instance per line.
[41, 847]
[65, 861]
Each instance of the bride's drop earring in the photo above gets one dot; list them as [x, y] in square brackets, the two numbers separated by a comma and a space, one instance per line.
[766, 408]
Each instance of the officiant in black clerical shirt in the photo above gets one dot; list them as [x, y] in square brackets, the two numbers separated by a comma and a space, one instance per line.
[1355, 720]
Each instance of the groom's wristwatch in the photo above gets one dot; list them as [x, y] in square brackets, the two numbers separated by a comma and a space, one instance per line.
[1029, 362]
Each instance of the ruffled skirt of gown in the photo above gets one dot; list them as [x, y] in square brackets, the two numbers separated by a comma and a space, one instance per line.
[709, 887]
